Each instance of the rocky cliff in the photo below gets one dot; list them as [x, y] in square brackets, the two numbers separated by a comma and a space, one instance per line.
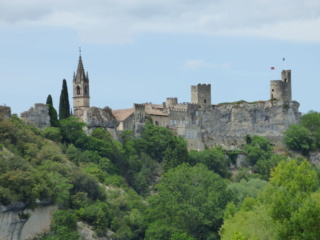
[228, 124]
[18, 223]
[37, 116]
[100, 117]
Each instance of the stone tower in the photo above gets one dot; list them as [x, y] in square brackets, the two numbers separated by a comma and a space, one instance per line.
[171, 102]
[81, 98]
[201, 94]
[281, 89]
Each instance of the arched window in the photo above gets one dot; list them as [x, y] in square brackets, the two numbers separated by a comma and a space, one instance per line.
[78, 90]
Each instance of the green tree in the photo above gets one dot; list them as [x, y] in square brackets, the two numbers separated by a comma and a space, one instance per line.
[215, 159]
[287, 208]
[52, 113]
[258, 149]
[189, 200]
[299, 138]
[64, 106]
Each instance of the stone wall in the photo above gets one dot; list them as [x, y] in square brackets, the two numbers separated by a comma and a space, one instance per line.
[228, 124]
[37, 116]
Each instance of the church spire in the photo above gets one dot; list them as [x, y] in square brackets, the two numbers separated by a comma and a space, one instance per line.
[81, 96]
[80, 76]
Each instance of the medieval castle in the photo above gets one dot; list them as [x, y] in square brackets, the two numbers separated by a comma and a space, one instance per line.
[196, 121]
[200, 122]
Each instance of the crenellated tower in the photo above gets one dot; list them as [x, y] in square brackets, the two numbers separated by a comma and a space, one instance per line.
[81, 97]
[201, 94]
[281, 89]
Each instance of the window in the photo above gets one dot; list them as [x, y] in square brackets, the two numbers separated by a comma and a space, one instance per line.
[197, 113]
[78, 90]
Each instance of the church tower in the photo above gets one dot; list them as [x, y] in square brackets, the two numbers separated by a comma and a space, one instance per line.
[81, 98]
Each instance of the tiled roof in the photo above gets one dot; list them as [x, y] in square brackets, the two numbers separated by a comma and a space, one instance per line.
[122, 114]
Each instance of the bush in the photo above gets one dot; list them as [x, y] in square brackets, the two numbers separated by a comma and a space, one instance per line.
[52, 133]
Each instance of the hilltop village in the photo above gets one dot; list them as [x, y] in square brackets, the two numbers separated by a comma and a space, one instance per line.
[200, 122]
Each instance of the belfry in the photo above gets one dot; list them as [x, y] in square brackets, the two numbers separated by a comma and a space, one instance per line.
[81, 97]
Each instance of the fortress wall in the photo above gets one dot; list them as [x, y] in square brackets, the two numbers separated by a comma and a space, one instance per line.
[228, 124]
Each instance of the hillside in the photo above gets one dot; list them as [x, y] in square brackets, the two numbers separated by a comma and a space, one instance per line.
[93, 187]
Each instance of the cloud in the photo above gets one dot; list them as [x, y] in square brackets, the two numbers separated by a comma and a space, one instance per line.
[120, 20]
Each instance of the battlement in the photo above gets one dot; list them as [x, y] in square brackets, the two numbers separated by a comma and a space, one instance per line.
[281, 89]
[139, 105]
[178, 110]
[201, 94]
[171, 102]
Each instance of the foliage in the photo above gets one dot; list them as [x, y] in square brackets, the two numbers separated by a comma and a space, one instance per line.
[258, 149]
[52, 113]
[182, 201]
[64, 226]
[245, 188]
[287, 208]
[215, 160]
[64, 106]
[299, 138]
[305, 136]
[155, 140]
[52, 133]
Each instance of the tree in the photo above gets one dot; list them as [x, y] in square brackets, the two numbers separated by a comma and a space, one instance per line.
[64, 107]
[299, 138]
[190, 200]
[214, 159]
[287, 208]
[52, 112]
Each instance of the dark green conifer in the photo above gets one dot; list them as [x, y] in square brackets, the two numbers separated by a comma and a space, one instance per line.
[52, 113]
[64, 107]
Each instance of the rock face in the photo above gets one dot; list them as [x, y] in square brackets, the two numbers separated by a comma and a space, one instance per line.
[228, 124]
[5, 112]
[97, 117]
[37, 116]
[16, 226]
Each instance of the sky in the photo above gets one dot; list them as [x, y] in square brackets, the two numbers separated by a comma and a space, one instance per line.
[138, 51]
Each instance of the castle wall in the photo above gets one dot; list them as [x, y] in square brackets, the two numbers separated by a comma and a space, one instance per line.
[228, 124]
[162, 121]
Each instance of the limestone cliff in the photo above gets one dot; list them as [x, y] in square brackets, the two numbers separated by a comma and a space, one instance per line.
[37, 116]
[97, 117]
[18, 223]
[228, 124]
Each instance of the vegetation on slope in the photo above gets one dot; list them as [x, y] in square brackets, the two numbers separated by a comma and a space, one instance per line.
[153, 188]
